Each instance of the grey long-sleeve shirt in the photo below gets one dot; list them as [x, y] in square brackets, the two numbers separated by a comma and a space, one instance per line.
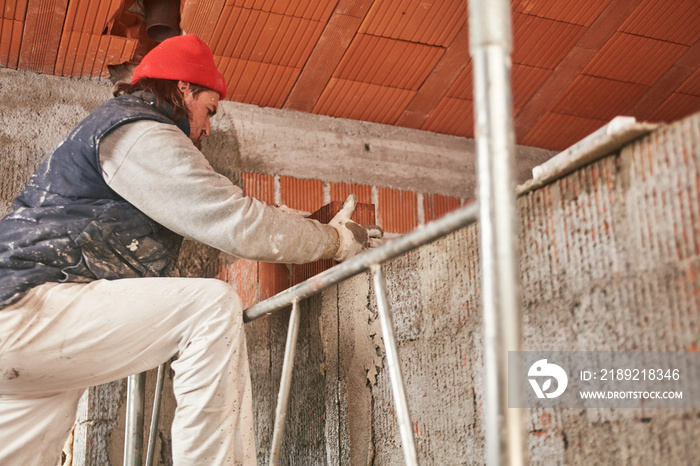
[158, 169]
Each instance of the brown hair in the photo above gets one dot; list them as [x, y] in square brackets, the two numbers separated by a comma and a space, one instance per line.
[165, 90]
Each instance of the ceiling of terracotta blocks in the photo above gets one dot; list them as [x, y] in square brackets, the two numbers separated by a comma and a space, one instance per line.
[576, 64]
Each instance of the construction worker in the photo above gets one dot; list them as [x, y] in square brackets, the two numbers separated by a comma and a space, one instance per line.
[85, 255]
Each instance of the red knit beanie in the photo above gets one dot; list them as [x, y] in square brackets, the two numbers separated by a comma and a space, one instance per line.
[182, 58]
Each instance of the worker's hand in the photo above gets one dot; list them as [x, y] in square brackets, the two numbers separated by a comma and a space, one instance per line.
[353, 237]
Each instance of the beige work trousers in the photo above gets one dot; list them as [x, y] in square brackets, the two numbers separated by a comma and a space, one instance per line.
[62, 338]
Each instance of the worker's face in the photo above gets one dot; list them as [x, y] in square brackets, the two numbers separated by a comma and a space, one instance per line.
[201, 108]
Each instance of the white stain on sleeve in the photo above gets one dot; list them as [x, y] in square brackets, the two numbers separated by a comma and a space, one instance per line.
[275, 243]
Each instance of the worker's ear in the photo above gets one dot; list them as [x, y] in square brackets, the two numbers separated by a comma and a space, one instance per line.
[183, 86]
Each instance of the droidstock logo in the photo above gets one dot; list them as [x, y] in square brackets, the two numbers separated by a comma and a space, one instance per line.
[541, 369]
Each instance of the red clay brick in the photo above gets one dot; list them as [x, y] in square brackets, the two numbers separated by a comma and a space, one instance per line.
[42, 34]
[324, 58]
[635, 59]
[261, 187]
[341, 191]
[452, 116]
[364, 215]
[462, 88]
[557, 132]
[387, 62]
[581, 13]
[679, 24]
[434, 23]
[299, 194]
[243, 276]
[363, 101]
[692, 84]
[302, 272]
[526, 81]
[397, 210]
[445, 74]
[598, 98]
[677, 106]
[532, 44]
[364, 212]
[437, 205]
[272, 278]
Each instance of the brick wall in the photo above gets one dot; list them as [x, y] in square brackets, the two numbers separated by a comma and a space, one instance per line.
[396, 211]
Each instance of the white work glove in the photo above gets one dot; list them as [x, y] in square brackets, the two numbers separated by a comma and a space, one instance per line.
[353, 237]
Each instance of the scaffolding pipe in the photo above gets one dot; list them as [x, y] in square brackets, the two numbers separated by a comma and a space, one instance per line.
[403, 416]
[155, 416]
[421, 235]
[135, 396]
[285, 384]
[490, 48]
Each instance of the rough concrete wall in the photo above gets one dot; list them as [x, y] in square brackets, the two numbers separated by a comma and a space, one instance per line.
[436, 323]
[97, 420]
[37, 112]
[610, 257]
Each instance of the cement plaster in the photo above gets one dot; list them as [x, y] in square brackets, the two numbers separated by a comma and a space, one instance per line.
[37, 113]
[301, 145]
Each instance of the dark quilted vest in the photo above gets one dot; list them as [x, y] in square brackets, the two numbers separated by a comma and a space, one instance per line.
[67, 225]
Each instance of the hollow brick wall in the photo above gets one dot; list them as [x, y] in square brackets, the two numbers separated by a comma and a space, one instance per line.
[396, 211]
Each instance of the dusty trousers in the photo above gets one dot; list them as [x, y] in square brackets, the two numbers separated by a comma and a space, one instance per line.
[62, 338]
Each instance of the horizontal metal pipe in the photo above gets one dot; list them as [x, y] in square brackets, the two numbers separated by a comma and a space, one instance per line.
[421, 235]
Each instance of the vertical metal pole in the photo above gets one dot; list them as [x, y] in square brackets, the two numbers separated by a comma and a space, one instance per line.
[285, 384]
[392, 358]
[490, 48]
[133, 442]
[155, 416]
